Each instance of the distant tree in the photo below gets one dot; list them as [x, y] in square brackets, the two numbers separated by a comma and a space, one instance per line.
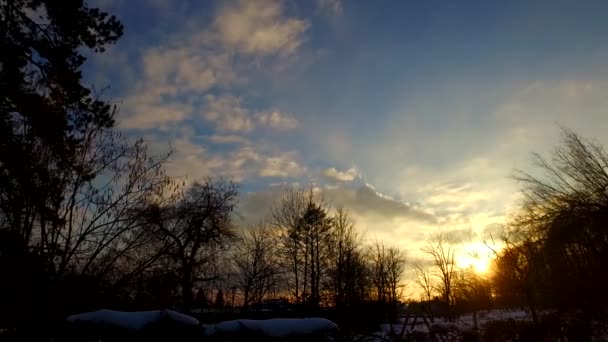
[316, 230]
[442, 250]
[348, 274]
[520, 272]
[395, 262]
[219, 300]
[387, 268]
[472, 292]
[286, 216]
[256, 264]
[424, 280]
[200, 300]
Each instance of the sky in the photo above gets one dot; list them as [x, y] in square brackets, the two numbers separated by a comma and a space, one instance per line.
[411, 114]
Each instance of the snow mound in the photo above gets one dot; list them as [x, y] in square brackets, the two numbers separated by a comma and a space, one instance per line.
[136, 320]
[276, 327]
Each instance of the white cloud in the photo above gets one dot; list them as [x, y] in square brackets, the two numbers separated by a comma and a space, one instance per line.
[333, 7]
[146, 111]
[228, 113]
[228, 139]
[341, 176]
[186, 69]
[258, 28]
[283, 165]
[177, 74]
[276, 119]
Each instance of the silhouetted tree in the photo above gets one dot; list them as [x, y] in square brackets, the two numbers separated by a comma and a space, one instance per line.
[315, 230]
[565, 211]
[442, 249]
[286, 216]
[191, 230]
[348, 273]
[256, 264]
[387, 266]
[219, 300]
[519, 277]
[47, 117]
[424, 279]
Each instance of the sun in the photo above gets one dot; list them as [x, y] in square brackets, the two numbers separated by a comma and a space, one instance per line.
[475, 257]
[480, 264]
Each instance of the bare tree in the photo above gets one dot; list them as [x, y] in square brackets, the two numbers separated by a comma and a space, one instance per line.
[348, 273]
[387, 268]
[563, 217]
[442, 249]
[286, 216]
[192, 230]
[256, 265]
[424, 280]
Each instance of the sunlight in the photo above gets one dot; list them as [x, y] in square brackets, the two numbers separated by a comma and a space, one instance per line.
[478, 262]
[477, 256]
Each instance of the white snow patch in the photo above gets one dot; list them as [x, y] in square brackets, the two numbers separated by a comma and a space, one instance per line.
[276, 327]
[136, 320]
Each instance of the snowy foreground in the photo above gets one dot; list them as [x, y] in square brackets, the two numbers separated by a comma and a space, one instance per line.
[463, 324]
[132, 320]
[276, 327]
[271, 328]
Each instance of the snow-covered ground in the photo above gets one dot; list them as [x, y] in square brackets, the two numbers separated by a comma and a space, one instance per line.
[464, 323]
[137, 320]
[271, 328]
[276, 327]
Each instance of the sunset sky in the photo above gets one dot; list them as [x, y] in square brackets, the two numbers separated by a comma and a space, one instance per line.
[412, 114]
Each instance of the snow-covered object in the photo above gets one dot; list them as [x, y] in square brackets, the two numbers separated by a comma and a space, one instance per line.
[136, 320]
[276, 327]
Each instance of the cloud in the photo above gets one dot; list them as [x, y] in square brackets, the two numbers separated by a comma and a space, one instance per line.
[201, 57]
[333, 174]
[283, 165]
[146, 111]
[184, 68]
[228, 113]
[333, 7]
[258, 28]
[172, 80]
[276, 119]
[456, 197]
[367, 200]
[228, 139]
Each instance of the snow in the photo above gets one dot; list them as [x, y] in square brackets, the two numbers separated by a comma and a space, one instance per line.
[137, 320]
[276, 327]
[463, 324]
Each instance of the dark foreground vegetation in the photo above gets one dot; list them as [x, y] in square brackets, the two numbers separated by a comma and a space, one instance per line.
[90, 220]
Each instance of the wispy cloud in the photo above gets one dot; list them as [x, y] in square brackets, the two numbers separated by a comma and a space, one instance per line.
[277, 119]
[228, 139]
[228, 113]
[332, 7]
[258, 28]
[333, 174]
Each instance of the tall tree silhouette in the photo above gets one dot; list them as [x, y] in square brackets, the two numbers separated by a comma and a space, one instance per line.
[46, 114]
[565, 211]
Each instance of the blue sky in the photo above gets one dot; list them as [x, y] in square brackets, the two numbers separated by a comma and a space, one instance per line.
[411, 113]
